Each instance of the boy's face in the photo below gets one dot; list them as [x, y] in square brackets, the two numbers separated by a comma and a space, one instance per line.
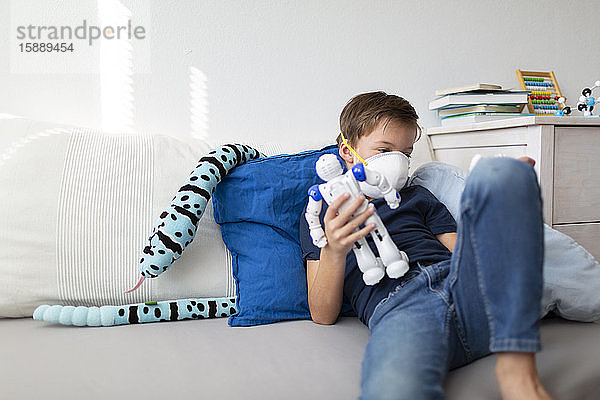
[397, 137]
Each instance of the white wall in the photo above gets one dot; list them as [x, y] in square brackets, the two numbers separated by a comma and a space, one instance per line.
[283, 69]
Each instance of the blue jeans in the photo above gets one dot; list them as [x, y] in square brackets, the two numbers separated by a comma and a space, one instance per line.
[571, 274]
[485, 299]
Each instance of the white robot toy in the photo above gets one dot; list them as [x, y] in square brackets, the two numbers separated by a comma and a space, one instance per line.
[330, 169]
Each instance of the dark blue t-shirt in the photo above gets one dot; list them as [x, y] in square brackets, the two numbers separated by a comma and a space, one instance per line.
[412, 226]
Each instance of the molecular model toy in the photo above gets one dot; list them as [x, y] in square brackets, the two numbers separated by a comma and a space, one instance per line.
[565, 110]
[587, 101]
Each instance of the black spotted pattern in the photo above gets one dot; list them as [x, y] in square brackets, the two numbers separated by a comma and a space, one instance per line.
[133, 315]
[214, 164]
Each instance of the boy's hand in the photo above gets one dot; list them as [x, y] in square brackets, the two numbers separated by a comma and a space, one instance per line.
[528, 160]
[339, 228]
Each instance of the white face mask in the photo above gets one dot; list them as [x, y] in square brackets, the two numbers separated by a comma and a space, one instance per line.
[393, 165]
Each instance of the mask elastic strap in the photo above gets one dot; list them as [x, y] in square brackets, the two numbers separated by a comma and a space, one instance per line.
[351, 149]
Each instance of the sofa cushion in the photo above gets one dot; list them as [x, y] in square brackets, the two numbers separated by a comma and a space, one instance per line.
[258, 206]
[77, 208]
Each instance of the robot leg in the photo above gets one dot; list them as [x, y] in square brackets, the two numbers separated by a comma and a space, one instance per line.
[394, 260]
[371, 268]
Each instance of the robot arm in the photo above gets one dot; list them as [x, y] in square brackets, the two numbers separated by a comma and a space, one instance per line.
[374, 178]
[313, 210]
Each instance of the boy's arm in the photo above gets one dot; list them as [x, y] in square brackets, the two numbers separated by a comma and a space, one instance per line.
[439, 220]
[447, 239]
[325, 277]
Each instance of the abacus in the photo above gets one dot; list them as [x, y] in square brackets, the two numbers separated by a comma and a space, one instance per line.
[543, 91]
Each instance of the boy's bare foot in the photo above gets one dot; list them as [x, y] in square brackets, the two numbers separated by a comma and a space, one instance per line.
[518, 378]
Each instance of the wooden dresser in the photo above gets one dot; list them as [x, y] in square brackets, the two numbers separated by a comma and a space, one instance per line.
[567, 154]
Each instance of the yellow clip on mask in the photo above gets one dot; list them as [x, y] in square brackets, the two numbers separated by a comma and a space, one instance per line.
[351, 149]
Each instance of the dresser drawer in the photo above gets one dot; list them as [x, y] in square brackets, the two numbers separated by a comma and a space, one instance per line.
[587, 235]
[576, 175]
[462, 157]
[489, 138]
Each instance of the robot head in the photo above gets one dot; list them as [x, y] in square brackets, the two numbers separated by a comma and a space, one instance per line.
[328, 167]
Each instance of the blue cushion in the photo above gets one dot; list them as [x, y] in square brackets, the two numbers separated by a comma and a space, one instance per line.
[258, 207]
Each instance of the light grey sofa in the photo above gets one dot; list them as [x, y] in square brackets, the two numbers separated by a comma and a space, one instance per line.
[189, 359]
[209, 360]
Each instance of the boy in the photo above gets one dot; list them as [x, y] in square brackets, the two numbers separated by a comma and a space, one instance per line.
[465, 295]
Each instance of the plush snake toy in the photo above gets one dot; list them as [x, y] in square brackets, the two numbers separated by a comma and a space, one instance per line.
[172, 233]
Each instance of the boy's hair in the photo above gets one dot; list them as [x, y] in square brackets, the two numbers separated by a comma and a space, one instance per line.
[363, 113]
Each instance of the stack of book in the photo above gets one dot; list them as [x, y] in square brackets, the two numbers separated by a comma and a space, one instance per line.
[477, 103]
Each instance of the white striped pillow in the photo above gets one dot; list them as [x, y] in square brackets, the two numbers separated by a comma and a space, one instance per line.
[76, 207]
